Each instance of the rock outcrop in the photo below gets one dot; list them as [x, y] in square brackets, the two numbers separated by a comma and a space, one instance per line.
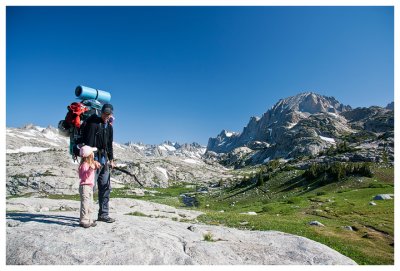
[46, 232]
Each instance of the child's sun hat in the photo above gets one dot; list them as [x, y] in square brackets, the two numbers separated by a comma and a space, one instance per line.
[85, 151]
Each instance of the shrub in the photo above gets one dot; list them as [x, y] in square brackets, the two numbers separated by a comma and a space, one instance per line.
[336, 171]
[136, 213]
[265, 201]
[294, 200]
[19, 176]
[208, 237]
[267, 209]
[262, 178]
[48, 173]
[378, 185]
[289, 168]
[273, 165]
[343, 147]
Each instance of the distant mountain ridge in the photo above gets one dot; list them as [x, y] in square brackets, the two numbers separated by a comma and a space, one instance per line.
[44, 154]
[304, 124]
[286, 113]
[168, 148]
[41, 138]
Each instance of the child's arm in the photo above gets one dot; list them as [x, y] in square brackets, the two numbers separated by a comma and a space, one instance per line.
[84, 171]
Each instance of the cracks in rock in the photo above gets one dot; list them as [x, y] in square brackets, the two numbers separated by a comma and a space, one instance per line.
[184, 246]
[35, 255]
[220, 239]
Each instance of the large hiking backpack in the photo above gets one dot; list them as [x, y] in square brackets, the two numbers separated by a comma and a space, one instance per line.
[73, 117]
[78, 112]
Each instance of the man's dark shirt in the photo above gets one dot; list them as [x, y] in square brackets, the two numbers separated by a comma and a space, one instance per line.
[95, 134]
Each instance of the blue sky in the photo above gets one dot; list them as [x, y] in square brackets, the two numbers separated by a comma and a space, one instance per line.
[185, 73]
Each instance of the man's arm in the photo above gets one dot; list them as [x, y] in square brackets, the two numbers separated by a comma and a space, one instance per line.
[110, 144]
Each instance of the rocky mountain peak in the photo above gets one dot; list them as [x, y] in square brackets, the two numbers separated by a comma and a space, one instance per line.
[304, 124]
[284, 115]
[310, 102]
[390, 106]
[218, 144]
[224, 133]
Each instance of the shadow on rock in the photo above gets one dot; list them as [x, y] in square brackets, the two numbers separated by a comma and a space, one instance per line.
[47, 219]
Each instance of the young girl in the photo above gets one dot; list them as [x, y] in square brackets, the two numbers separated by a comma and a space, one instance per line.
[87, 169]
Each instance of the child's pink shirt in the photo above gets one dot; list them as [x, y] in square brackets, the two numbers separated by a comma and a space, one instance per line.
[86, 174]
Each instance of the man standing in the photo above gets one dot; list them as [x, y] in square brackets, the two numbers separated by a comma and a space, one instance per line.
[98, 132]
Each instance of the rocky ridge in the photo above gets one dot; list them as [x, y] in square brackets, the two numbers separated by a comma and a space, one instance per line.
[168, 148]
[38, 160]
[307, 125]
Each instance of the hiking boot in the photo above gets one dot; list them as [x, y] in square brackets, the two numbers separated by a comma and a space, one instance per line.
[94, 224]
[106, 219]
[84, 225]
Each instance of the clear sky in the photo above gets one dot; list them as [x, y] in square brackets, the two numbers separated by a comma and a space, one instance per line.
[185, 73]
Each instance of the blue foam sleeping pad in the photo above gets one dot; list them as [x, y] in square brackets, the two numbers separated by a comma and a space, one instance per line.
[87, 93]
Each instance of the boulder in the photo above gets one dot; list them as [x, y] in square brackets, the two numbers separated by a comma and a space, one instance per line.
[249, 213]
[382, 197]
[316, 223]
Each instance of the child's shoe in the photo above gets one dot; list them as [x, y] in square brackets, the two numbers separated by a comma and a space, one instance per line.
[84, 225]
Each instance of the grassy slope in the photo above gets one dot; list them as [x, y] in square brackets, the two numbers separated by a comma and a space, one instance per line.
[289, 208]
